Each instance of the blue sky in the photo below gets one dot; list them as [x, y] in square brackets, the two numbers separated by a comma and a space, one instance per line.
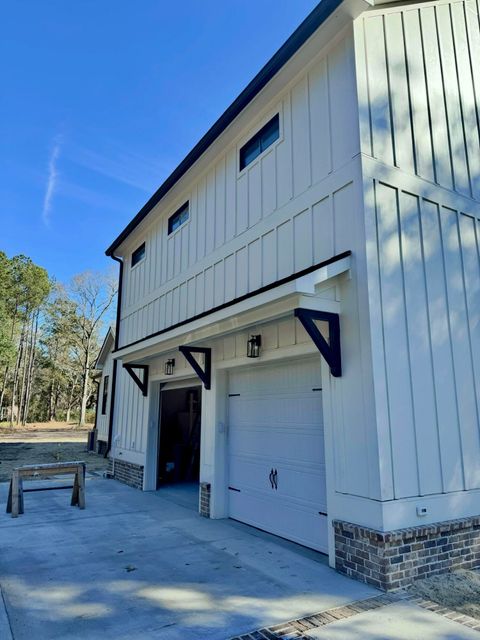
[101, 100]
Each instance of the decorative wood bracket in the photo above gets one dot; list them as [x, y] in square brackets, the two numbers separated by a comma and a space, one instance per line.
[142, 383]
[204, 374]
[331, 352]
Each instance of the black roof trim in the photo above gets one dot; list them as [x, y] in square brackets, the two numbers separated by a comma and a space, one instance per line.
[307, 28]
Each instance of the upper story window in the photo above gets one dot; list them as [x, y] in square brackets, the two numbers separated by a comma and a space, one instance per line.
[138, 255]
[178, 218]
[105, 395]
[260, 142]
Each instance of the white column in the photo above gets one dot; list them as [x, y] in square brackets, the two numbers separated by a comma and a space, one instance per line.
[213, 458]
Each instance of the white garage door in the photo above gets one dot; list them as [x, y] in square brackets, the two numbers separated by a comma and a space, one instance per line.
[276, 451]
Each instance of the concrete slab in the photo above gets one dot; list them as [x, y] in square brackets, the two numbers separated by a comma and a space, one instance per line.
[402, 621]
[5, 631]
[136, 565]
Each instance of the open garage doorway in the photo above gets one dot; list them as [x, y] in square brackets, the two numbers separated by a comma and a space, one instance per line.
[179, 437]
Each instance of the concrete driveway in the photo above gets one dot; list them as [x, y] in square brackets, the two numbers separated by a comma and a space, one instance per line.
[145, 565]
[138, 565]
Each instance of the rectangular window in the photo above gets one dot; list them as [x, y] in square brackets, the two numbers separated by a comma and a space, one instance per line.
[178, 218]
[105, 395]
[138, 255]
[260, 142]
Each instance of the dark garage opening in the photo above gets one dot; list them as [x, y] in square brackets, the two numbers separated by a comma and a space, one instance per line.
[180, 427]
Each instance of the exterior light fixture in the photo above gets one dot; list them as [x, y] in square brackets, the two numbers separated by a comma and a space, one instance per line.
[253, 346]
[169, 365]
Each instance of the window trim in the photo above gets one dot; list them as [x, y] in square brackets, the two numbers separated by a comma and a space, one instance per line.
[106, 382]
[144, 245]
[251, 136]
[180, 210]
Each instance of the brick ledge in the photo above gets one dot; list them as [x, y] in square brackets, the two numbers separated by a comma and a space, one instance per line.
[409, 533]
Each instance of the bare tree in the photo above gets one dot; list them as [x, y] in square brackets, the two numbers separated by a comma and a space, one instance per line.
[93, 294]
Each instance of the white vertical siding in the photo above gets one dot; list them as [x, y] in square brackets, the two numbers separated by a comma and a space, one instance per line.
[419, 91]
[428, 262]
[131, 413]
[354, 434]
[295, 243]
[319, 136]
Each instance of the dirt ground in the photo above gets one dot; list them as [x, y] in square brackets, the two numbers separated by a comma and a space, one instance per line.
[45, 431]
[45, 443]
[459, 590]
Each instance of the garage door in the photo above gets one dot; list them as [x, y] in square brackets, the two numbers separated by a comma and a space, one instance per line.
[276, 451]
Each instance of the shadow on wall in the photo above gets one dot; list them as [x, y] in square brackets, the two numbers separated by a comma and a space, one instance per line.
[421, 116]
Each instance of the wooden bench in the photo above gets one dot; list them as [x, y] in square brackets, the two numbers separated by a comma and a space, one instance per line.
[36, 471]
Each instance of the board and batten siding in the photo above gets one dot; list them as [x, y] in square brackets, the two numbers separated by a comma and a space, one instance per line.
[424, 280]
[419, 89]
[131, 414]
[250, 228]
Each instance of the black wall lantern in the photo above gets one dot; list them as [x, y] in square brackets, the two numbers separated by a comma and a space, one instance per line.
[253, 346]
[169, 364]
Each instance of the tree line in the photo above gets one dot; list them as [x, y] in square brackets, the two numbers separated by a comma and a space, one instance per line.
[50, 336]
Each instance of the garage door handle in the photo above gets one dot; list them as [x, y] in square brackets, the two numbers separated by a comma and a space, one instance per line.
[275, 481]
[270, 477]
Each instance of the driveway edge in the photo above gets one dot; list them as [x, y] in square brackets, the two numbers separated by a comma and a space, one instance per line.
[299, 628]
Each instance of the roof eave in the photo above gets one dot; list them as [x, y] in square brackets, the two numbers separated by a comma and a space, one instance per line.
[105, 349]
[306, 29]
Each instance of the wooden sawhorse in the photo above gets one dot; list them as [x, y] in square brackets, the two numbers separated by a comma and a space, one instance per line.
[34, 471]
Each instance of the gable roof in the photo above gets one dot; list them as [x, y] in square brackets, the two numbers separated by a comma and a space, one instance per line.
[106, 348]
[306, 29]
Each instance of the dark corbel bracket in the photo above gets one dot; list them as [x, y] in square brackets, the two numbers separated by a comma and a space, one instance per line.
[142, 383]
[205, 374]
[330, 351]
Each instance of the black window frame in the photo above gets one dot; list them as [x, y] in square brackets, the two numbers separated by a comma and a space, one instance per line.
[178, 216]
[140, 250]
[105, 395]
[260, 142]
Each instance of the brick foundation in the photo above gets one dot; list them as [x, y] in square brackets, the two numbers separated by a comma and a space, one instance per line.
[397, 558]
[127, 472]
[205, 499]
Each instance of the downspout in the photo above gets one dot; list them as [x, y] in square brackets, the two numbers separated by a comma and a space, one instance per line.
[114, 371]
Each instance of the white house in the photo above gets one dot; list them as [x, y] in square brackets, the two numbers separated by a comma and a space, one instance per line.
[329, 224]
[104, 366]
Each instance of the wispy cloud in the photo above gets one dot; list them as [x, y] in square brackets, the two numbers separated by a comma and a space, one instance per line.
[52, 179]
[124, 166]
